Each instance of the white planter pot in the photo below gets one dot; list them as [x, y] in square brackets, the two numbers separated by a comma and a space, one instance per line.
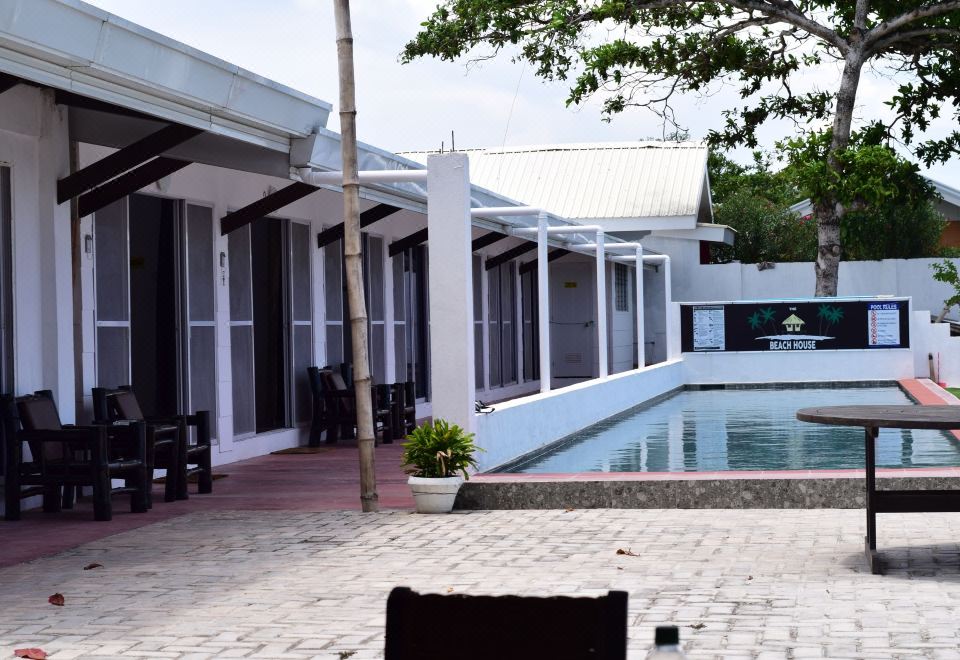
[434, 495]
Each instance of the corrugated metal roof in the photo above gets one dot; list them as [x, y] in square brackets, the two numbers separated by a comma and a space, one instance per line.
[596, 180]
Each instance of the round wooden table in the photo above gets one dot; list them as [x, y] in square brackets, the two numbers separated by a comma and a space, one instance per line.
[872, 419]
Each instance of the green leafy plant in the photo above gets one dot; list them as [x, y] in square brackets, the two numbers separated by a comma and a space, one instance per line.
[946, 271]
[439, 449]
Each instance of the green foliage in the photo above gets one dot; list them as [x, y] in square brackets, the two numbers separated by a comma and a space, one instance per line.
[439, 449]
[639, 53]
[890, 212]
[765, 231]
[946, 271]
[866, 173]
[754, 200]
[895, 230]
[758, 179]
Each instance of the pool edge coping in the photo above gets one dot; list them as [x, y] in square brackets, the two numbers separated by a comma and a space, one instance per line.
[922, 390]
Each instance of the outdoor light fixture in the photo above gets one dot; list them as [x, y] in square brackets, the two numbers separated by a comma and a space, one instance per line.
[88, 244]
[223, 268]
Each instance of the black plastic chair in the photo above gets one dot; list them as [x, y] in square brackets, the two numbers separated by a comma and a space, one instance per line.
[121, 404]
[65, 458]
[434, 627]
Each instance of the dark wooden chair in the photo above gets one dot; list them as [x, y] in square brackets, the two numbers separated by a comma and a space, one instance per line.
[434, 627]
[406, 409]
[340, 406]
[320, 420]
[192, 458]
[164, 445]
[64, 458]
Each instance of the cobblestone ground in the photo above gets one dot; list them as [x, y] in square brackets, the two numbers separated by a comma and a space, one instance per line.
[741, 584]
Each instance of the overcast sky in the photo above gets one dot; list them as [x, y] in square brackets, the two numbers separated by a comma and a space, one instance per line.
[415, 106]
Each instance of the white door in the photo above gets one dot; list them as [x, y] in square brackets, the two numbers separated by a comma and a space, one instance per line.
[572, 323]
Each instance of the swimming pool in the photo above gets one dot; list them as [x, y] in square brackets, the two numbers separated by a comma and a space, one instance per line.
[740, 429]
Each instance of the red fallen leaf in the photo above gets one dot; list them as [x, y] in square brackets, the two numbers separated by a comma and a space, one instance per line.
[91, 566]
[56, 599]
[35, 654]
[628, 552]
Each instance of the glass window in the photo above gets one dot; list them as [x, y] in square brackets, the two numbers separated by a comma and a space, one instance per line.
[621, 287]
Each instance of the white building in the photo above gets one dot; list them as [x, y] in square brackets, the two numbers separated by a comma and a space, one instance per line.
[155, 230]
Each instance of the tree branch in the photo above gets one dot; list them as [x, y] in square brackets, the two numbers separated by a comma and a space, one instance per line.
[788, 13]
[894, 24]
[903, 37]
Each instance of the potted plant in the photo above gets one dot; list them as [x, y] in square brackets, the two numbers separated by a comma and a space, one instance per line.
[436, 456]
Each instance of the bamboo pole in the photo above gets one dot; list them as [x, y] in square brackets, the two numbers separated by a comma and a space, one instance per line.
[369, 500]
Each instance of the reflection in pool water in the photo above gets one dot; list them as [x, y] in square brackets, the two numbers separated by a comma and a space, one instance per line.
[741, 429]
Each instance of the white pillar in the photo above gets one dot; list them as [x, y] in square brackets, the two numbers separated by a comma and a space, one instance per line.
[451, 289]
[485, 325]
[518, 320]
[641, 331]
[543, 302]
[601, 307]
[672, 329]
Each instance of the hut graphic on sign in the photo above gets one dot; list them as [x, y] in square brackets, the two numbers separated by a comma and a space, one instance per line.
[793, 323]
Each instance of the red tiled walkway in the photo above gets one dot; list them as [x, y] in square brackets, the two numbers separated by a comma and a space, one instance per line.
[285, 482]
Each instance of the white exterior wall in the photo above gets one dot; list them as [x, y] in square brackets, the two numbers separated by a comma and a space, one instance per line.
[797, 366]
[225, 191]
[34, 143]
[933, 339]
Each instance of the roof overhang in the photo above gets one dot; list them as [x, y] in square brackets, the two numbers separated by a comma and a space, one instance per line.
[704, 231]
[72, 46]
[657, 223]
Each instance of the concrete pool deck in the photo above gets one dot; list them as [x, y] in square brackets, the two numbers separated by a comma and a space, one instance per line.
[787, 489]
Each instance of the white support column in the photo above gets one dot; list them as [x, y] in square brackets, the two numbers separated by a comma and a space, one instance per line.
[485, 326]
[518, 320]
[672, 332]
[641, 330]
[543, 302]
[452, 378]
[601, 307]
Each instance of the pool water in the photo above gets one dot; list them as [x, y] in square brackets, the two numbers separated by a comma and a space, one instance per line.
[741, 429]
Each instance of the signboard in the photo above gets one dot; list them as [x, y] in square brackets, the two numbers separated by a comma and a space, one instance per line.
[825, 324]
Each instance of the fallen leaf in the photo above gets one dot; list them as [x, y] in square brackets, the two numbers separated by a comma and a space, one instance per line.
[749, 577]
[449, 590]
[92, 566]
[698, 626]
[619, 568]
[628, 552]
[35, 654]
[346, 654]
[568, 510]
[56, 599]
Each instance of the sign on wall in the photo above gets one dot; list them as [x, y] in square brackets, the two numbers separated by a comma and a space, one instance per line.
[795, 325]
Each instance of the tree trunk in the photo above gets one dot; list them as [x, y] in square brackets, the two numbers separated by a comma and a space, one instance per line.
[829, 212]
[369, 501]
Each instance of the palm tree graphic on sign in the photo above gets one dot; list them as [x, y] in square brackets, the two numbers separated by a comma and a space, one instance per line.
[762, 317]
[830, 315]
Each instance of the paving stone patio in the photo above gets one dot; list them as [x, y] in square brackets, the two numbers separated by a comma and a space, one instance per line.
[301, 584]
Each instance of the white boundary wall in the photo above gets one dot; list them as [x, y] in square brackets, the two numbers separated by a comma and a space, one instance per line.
[693, 282]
